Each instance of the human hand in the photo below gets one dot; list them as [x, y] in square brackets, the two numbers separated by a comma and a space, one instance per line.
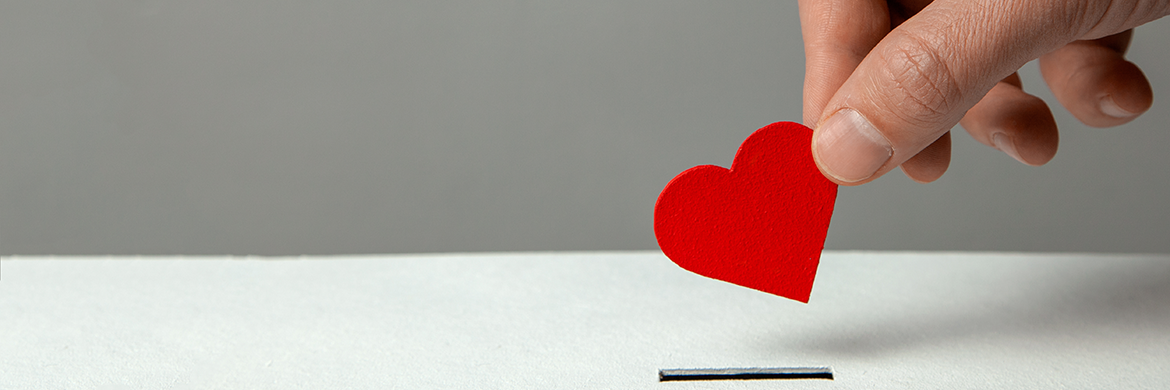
[886, 81]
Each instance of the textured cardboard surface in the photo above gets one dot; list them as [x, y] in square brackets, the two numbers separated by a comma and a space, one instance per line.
[580, 321]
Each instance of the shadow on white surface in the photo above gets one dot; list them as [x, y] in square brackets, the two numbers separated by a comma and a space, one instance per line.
[1061, 298]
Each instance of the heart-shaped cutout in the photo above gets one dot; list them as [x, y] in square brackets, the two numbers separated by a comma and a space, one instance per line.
[760, 224]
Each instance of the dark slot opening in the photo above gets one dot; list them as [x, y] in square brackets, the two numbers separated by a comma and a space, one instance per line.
[715, 374]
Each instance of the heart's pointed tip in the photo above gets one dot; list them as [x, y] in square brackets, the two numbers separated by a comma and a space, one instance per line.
[801, 297]
[799, 292]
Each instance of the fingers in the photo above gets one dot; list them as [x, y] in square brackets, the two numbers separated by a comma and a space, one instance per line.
[1016, 123]
[837, 35]
[931, 163]
[1095, 83]
[921, 78]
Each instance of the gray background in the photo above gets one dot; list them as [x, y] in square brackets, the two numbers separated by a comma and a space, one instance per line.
[296, 127]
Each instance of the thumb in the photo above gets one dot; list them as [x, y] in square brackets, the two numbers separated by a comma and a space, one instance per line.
[917, 83]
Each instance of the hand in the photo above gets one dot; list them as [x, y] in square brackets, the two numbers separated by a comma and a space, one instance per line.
[886, 81]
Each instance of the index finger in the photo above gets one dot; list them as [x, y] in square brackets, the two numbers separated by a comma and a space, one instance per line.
[837, 36]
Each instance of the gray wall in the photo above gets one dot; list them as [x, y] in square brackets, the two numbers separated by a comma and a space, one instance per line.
[296, 127]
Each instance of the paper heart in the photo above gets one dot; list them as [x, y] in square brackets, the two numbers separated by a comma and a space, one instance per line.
[760, 224]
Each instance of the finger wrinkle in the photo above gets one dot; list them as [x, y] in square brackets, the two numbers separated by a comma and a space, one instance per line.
[837, 52]
[924, 78]
[1084, 65]
[1118, 16]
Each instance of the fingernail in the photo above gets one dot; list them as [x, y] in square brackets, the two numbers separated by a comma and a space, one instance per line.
[1110, 107]
[849, 148]
[1005, 145]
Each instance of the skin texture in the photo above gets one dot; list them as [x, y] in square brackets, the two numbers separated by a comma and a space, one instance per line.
[885, 81]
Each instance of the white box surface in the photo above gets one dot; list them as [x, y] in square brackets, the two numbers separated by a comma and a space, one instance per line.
[580, 321]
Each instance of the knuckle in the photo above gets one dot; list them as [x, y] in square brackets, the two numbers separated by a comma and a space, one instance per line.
[923, 89]
[1108, 18]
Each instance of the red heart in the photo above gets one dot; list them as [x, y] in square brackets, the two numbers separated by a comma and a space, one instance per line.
[760, 224]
